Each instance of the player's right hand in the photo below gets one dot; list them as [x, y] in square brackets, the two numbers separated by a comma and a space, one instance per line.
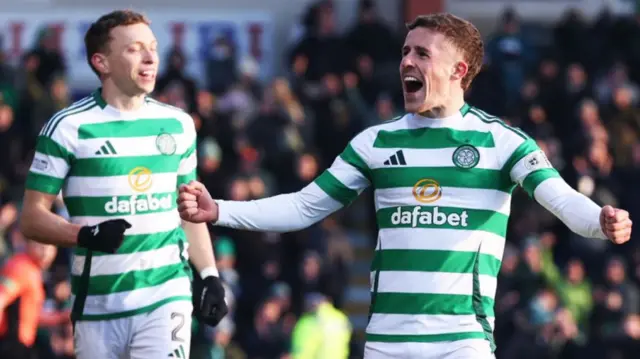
[105, 237]
[195, 203]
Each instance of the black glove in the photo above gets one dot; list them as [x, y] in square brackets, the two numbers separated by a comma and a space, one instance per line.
[105, 237]
[212, 306]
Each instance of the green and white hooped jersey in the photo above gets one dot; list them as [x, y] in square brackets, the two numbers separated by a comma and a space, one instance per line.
[442, 192]
[111, 164]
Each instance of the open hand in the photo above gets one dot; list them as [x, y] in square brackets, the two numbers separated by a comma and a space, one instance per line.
[195, 203]
[615, 224]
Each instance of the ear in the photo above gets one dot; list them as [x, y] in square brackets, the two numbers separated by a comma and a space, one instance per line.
[460, 70]
[100, 62]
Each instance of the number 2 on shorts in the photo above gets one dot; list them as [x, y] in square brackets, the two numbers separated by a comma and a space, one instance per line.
[174, 332]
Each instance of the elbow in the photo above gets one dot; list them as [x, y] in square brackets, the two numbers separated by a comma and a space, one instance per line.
[25, 226]
[27, 223]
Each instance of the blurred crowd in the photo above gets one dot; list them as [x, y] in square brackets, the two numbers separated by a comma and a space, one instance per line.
[571, 86]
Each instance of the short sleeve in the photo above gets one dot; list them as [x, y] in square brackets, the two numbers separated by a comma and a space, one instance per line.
[53, 157]
[528, 166]
[189, 159]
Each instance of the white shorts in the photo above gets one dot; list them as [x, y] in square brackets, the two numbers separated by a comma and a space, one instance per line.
[164, 332]
[460, 349]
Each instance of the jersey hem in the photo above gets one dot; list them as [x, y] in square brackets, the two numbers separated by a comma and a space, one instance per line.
[134, 312]
[424, 338]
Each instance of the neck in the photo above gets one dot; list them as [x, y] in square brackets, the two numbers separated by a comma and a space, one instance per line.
[116, 98]
[449, 107]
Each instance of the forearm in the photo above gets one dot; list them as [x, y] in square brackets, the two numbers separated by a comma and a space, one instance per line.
[576, 211]
[200, 249]
[283, 213]
[44, 226]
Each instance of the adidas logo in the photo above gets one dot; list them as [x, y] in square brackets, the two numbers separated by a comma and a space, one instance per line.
[396, 159]
[178, 353]
[107, 149]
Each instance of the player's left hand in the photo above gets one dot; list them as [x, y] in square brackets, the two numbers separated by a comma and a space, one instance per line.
[213, 306]
[615, 224]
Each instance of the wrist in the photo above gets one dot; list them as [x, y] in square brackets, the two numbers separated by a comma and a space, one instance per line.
[83, 233]
[209, 271]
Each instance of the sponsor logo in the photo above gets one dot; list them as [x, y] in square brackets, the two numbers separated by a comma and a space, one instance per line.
[427, 190]
[429, 216]
[536, 160]
[140, 179]
[138, 204]
[466, 156]
[40, 164]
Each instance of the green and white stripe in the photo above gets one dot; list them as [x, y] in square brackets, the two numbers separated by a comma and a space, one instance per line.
[150, 268]
[434, 274]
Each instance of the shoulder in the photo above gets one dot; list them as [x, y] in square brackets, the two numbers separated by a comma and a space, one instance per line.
[68, 118]
[496, 125]
[162, 109]
[505, 136]
[369, 134]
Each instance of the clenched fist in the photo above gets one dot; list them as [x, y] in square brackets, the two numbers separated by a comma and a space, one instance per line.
[195, 203]
[615, 224]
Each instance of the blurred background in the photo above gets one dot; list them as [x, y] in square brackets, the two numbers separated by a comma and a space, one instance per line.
[278, 87]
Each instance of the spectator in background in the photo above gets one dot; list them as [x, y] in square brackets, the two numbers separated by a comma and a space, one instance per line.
[572, 86]
[22, 298]
[175, 74]
[221, 69]
[509, 51]
[51, 59]
[323, 332]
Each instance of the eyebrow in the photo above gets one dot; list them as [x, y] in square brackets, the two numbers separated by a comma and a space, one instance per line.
[418, 47]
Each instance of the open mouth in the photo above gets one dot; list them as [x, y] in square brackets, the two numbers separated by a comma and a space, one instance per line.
[147, 74]
[412, 84]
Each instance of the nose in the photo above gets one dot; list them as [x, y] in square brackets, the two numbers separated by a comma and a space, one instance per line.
[406, 62]
[150, 57]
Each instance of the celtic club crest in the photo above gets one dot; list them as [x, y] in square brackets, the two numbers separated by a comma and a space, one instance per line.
[466, 156]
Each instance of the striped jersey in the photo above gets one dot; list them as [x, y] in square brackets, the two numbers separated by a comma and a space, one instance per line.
[111, 164]
[442, 191]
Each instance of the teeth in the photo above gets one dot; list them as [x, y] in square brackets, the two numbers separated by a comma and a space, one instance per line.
[147, 73]
[411, 78]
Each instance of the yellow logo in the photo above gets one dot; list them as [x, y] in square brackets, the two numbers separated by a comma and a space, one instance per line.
[427, 190]
[140, 179]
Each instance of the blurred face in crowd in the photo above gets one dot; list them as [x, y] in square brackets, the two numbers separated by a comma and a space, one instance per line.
[575, 271]
[622, 97]
[240, 190]
[537, 114]
[132, 60]
[6, 118]
[615, 272]
[8, 215]
[59, 90]
[589, 114]
[576, 74]
[307, 167]
[548, 69]
[431, 66]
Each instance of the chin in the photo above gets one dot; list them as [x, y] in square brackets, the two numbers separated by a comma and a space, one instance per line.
[146, 88]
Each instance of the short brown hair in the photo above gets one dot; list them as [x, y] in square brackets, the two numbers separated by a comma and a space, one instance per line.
[97, 38]
[462, 34]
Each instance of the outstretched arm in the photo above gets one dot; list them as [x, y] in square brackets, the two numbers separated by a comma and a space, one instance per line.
[282, 213]
[579, 213]
[335, 188]
[530, 168]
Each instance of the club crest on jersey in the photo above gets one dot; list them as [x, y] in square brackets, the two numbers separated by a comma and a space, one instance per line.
[166, 144]
[466, 156]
